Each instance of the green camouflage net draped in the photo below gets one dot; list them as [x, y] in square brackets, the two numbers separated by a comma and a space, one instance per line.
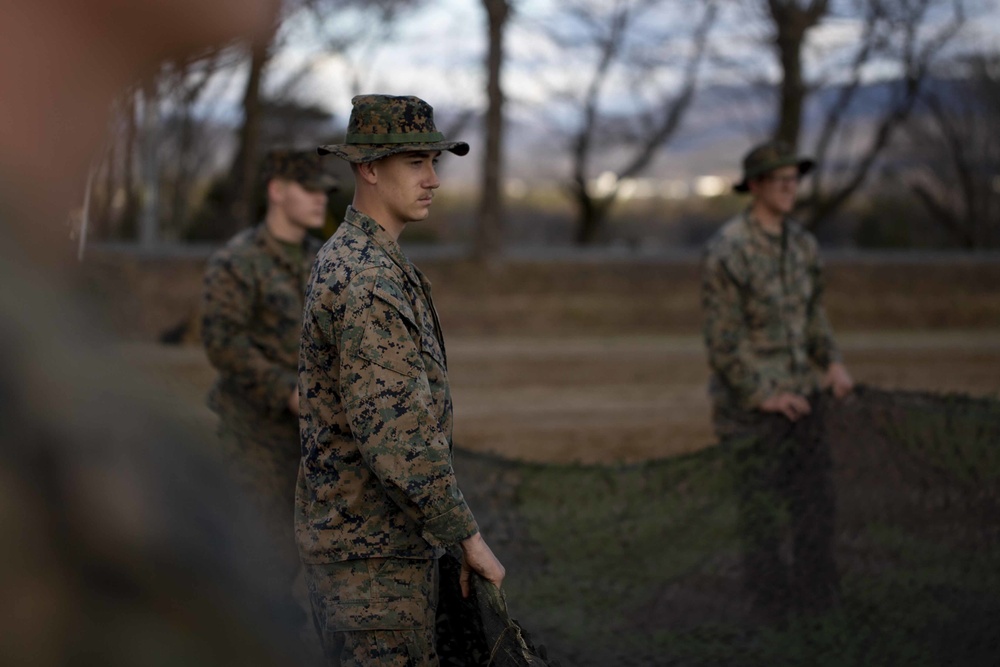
[640, 564]
[478, 631]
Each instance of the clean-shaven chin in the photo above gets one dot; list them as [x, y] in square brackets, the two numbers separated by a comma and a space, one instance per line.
[424, 203]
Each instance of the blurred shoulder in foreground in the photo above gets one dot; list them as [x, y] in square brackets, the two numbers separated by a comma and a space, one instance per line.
[119, 532]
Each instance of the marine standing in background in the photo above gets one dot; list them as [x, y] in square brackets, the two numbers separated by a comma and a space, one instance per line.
[252, 317]
[771, 351]
[377, 499]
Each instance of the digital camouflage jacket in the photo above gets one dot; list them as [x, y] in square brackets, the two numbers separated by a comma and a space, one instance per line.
[764, 322]
[376, 477]
[251, 317]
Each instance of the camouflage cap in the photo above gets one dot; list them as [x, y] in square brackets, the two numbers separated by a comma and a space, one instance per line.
[767, 157]
[303, 167]
[384, 125]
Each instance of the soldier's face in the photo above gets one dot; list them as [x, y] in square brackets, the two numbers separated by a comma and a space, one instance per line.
[406, 184]
[302, 207]
[777, 189]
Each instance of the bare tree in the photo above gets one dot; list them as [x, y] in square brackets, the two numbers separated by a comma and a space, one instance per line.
[156, 151]
[183, 84]
[905, 35]
[232, 201]
[114, 200]
[357, 48]
[627, 104]
[489, 229]
[793, 19]
[245, 162]
[149, 227]
[954, 144]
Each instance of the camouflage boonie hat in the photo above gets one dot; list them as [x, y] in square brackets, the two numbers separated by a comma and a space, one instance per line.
[767, 157]
[303, 167]
[384, 125]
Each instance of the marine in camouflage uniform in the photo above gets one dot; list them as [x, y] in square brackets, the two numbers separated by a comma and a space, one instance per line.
[377, 501]
[768, 340]
[252, 317]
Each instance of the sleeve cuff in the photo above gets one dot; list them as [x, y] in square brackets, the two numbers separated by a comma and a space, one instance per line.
[451, 527]
[753, 399]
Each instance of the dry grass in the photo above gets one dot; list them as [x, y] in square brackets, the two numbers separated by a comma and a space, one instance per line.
[603, 362]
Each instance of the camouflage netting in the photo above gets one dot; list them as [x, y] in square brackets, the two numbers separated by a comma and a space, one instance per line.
[640, 564]
[478, 631]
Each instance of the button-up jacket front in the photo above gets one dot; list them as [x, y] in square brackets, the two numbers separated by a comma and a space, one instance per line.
[765, 326]
[376, 477]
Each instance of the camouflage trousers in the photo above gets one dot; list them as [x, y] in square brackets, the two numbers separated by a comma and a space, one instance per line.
[782, 475]
[376, 612]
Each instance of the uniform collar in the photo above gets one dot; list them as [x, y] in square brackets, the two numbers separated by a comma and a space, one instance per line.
[381, 238]
[277, 248]
[764, 240]
[758, 228]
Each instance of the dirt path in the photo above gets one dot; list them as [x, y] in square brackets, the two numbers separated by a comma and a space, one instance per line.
[627, 399]
[596, 400]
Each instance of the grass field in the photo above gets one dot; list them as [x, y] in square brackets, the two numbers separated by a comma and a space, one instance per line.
[602, 361]
[584, 446]
[638, 564]
[619, 399]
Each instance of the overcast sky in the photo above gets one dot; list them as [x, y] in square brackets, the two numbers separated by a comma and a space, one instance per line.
[437, 52]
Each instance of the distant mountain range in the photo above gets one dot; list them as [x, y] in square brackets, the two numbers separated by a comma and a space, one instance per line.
[722, 123]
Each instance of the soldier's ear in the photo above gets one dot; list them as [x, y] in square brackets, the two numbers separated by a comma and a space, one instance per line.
[367, 172]
[275, 189]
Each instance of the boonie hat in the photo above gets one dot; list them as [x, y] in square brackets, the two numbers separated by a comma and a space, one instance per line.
[384, 125]
[767, 157]
[303, 167]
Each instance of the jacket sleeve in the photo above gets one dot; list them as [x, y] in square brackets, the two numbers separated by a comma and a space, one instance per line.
[227, 309]
[726, 337]
[819, 336]
[392, 413]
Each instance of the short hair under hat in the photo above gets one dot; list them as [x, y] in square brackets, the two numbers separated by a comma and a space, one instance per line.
[303, 167]
[384, 125]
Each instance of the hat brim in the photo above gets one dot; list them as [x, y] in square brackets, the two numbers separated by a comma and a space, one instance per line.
[805, 165]
[322, 183]
[358, 153]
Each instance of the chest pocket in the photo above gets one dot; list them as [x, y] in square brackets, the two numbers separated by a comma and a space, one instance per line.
[430, 346]
[762, 295]
[397, 336]
[280, 299]
[278, 311]
[801, 281]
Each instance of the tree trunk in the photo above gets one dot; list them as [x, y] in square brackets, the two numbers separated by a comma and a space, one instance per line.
[179, 200]
[593, 212]
[489, 232]
[793, 90]
[130, 211]
[250, 135]
[244, 169]
[149, 215]
[792, 22]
